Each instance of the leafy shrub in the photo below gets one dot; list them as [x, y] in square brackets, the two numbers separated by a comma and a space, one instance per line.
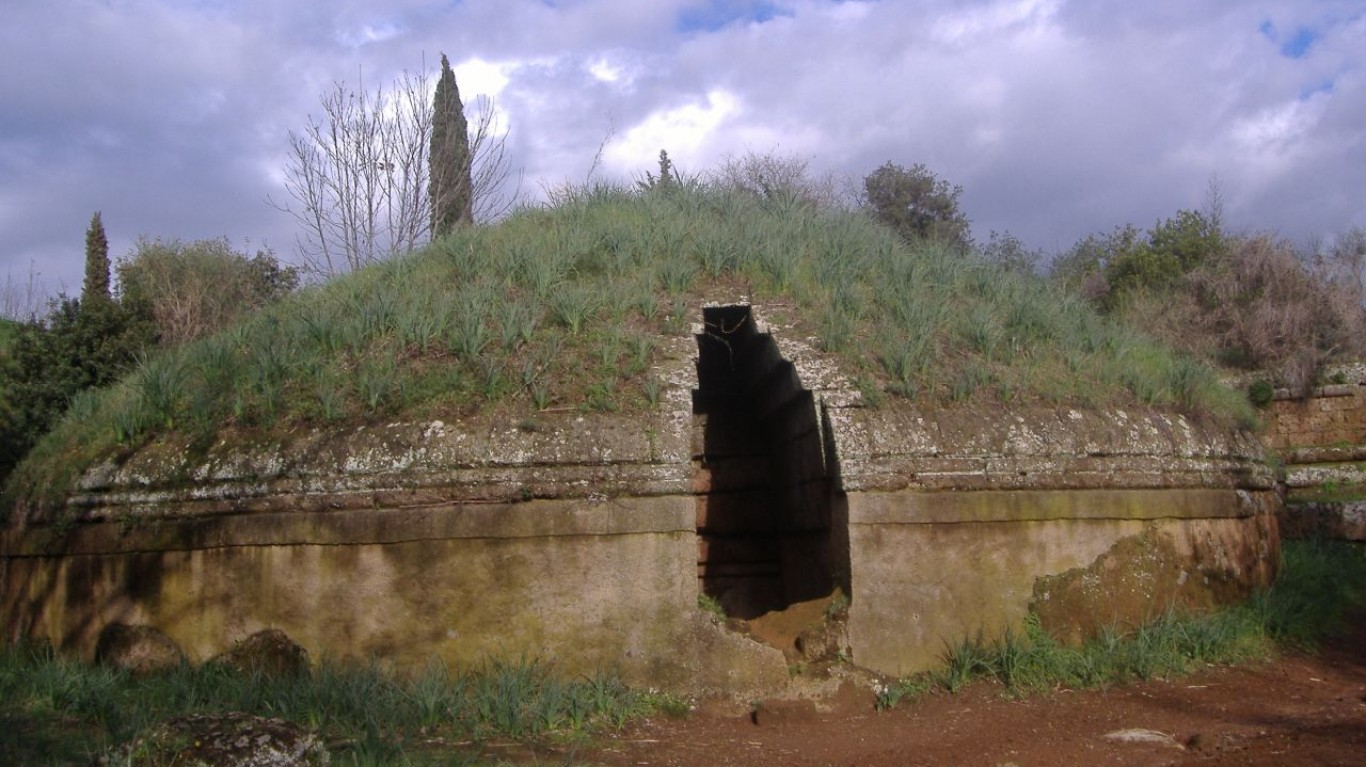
[194, 289]
[48, 362]
[1261, 392]
[916, 204]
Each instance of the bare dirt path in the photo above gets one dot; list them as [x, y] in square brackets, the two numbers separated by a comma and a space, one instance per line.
[1297, 710]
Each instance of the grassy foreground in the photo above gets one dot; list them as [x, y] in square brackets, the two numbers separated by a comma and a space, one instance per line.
[564, 306]
[57, 712]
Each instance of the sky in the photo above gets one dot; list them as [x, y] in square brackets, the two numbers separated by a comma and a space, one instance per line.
[1058, 118]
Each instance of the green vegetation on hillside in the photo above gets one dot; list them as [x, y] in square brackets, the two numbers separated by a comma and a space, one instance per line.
[9, 330]
[1248, 302]
[169, 293]
[563, 306]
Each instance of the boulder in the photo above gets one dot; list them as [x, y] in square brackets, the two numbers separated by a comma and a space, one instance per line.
[270, 653]
[222, 740]
[139, 649]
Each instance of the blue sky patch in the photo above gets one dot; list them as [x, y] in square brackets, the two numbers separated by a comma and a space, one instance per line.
[1295, 46]
[1325, 87]
[717, 14]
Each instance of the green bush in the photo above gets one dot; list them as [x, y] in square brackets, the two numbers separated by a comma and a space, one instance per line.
[47, 363]
[1261, 392]
[193, 289]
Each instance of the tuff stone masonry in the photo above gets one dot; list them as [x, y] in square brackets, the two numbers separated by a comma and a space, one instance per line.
[762, 480]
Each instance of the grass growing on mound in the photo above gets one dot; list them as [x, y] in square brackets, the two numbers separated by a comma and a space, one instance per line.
[1321, 584]
[563, 307]
[55, 711]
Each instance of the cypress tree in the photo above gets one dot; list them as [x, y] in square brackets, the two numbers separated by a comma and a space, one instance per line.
[450, 186]
[96, 285]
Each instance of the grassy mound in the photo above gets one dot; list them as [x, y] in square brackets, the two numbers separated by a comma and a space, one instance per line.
[564, 307]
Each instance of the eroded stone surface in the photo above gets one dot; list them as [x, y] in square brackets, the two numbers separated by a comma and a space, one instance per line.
[1195, 566]
[1341, 520]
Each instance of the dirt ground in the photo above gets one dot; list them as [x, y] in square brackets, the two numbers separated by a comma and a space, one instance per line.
[1296, 710]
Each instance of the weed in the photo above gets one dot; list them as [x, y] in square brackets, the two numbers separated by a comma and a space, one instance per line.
[641, 348]
[869, 391]
[1321, 583]
[708, 604]
[963, 662]
[572, 306]
[652, 389]
[839, 605]
[519, 322]
[602, 395]
[1260, 393]
[677, 275]
[53, 707]
[1318, 585]
[375, 381]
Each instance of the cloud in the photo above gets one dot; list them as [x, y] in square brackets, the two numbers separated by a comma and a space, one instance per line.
[1058, 117]
[714, 15]
[478, 77]
[683, 130]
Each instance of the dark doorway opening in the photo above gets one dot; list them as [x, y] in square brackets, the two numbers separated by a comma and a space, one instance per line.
[765, 474]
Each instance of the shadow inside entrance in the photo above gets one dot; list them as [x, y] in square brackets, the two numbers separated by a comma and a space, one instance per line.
[765, 473]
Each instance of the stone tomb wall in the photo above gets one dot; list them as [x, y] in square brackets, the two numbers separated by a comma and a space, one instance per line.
[1322, 441]
[1330, 417]
[564, 537]
[959, 522]
[585, 540]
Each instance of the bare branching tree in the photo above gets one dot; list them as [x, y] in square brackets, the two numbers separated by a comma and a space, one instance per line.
[358, 174]
[774, 175]
[497, 188]
[21, 300]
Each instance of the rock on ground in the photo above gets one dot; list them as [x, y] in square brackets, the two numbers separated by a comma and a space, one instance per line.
[139, 649]
[226, 740]
[270, 653]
